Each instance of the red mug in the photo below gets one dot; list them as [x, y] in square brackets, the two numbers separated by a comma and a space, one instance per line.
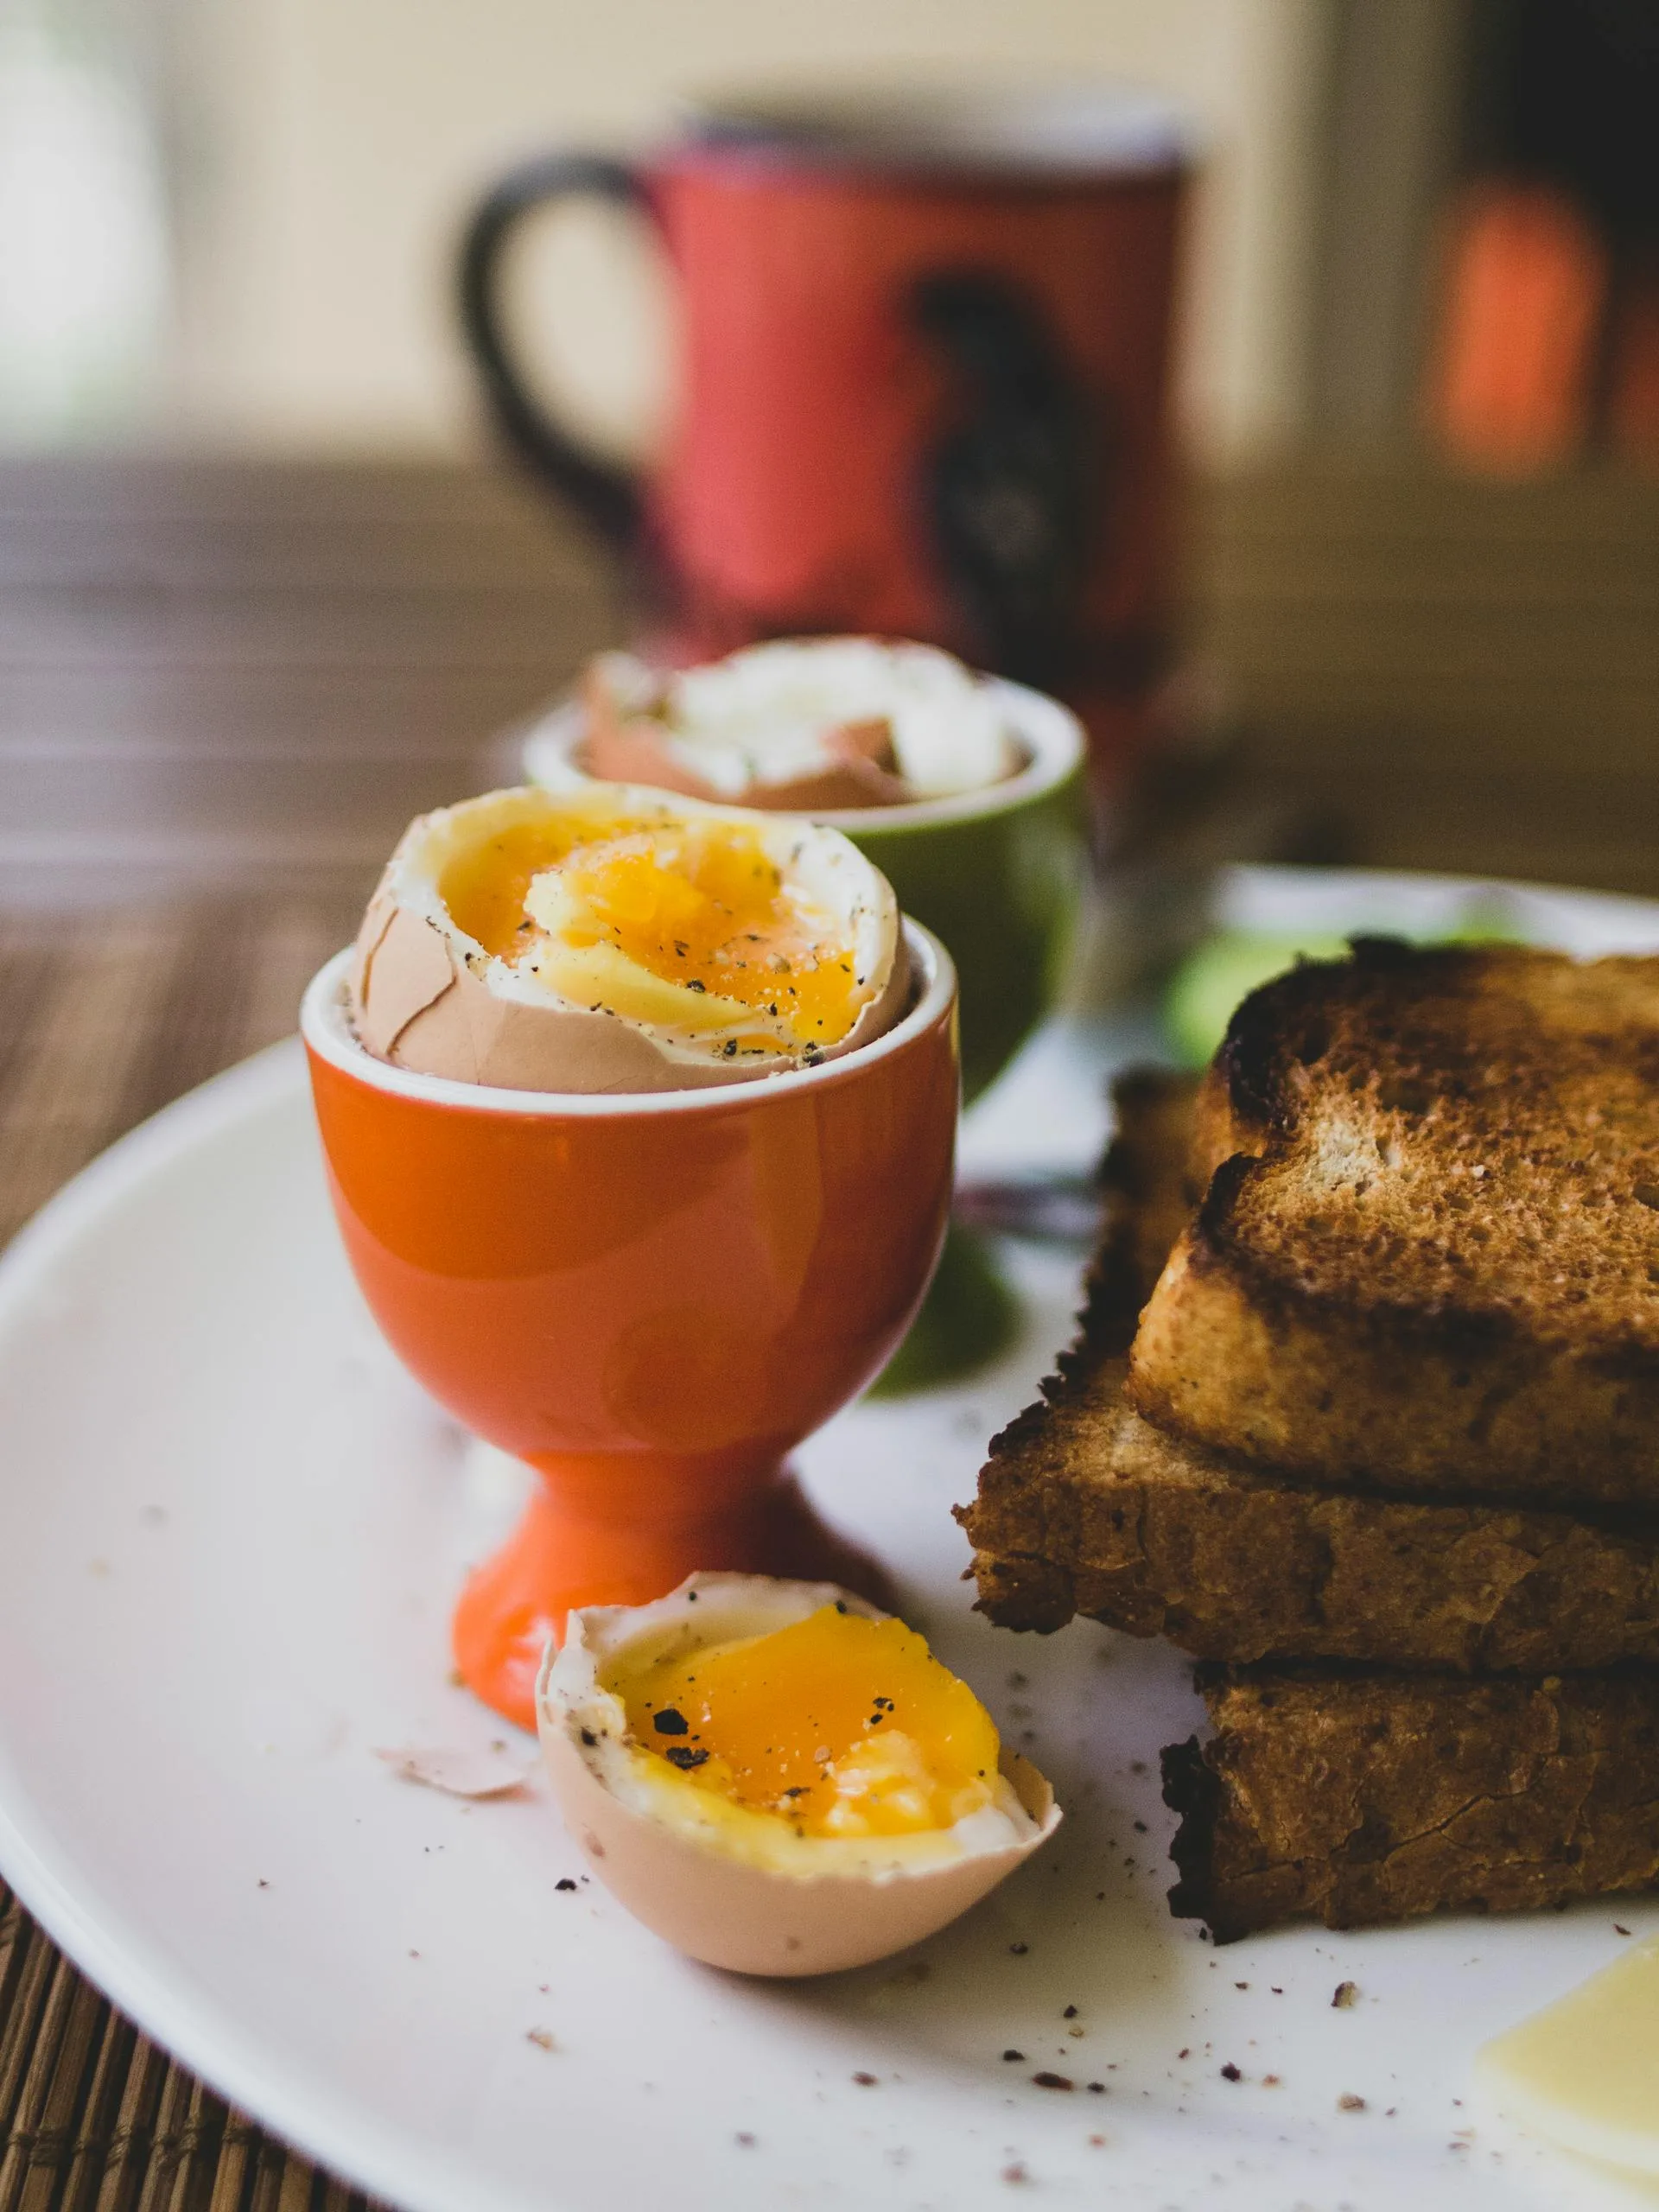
[923, 380]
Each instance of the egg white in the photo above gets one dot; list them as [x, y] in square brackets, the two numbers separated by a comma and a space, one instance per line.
[760, 715]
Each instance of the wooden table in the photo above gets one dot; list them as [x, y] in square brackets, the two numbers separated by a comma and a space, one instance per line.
[224, 688]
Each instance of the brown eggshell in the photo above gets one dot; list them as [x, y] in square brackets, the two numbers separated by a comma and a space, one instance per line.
[621, 748]
[422, 1008]
[416, 1001]
[637, 753]
[756, 1920]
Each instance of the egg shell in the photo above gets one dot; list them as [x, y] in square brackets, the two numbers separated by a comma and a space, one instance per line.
[420, 998]
[626, 748]
[843, 724]
[750, 1919]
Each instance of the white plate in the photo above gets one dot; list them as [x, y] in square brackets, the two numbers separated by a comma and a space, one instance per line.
[229, 1529]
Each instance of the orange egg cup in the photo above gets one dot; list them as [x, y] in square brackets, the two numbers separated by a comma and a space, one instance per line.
[649, 1299]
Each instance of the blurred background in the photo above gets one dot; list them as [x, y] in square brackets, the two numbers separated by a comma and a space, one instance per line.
[270, 580]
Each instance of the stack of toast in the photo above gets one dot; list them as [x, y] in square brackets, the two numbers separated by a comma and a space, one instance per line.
[1364, 1412]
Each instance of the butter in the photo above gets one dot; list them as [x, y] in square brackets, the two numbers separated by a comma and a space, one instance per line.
[1585, 2072]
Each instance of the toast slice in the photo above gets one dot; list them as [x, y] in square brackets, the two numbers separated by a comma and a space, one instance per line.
[1092, 1511]
[1427, 1260]
[1085, 1507]
[1358, 1798]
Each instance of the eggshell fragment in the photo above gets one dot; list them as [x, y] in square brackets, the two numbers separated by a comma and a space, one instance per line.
[425, 996]
[460, 1773]
[706, 1903]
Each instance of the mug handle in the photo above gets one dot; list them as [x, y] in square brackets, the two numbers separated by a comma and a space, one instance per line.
[608, 498]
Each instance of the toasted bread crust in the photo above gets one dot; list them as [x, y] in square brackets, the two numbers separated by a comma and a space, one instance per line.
[1146, 1193]
[1084, 1507]
[1098, 1513]
[1148, 1189]
[1388, 1398]
[1432, 1261]
[1359, 1798]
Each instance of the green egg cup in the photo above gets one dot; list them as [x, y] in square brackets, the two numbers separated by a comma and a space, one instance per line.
[995, 873]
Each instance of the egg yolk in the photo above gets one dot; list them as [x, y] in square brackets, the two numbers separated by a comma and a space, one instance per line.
[705, 907]
[843, 1727]
[484, 887]
[691, 925]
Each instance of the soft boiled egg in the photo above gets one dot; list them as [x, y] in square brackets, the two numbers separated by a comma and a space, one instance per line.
[815, 725]
[617, 939]
[778, 1778]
